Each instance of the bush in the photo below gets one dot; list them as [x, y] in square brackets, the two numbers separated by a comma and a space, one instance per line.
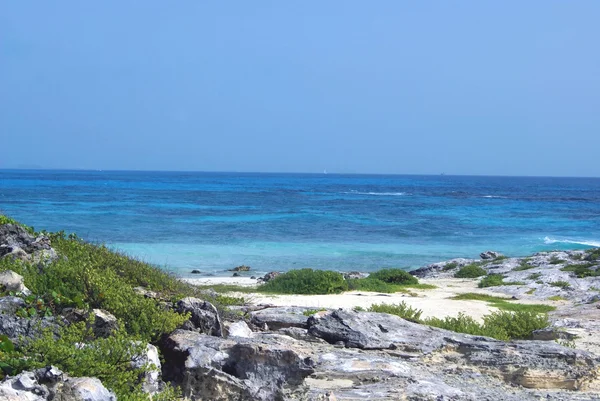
[402, 309]
[491, 280]
[467, 325]
[561, 284]
[306, 281]
[394, 276]
[450, 266]
[505, 303]
[371, 284]
[470, 271]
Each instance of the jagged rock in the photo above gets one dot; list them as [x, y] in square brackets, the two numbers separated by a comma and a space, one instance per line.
[51, 384]
[262, 368]
[236, 274]
[434, 269]
[16, 242]
[11, 281]
[104, 323]
[490, 255]
[269, 276]
[354, 275]
[83, 389]
[280, 317]
[20, 328]
[147, 293]
[10, 305]
[242, 268]
[239, 329]
[551, 334]
[152, 382]
[533, 364]
[204, 316]
[196, 271]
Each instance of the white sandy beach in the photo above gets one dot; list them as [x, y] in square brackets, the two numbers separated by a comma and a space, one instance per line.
[434, 302]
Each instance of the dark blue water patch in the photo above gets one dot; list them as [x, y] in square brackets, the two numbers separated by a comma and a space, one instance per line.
[414, 219]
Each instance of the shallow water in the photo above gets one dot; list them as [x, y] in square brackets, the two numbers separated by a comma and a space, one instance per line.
[214, 221]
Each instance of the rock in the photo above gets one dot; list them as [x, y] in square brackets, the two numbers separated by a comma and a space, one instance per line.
[300, 334]
[490, 255]
[551, 334]
[252, 277]
[440, 268]
[280, 317]
[51, 384]
[204, 316]
[196, 271]
[263, 368]
[16, 242]
[104, 323]
[18, 329]
[13, 282]
[83, 389]
[532, 364]
[239, 329]
[354, 275]
[236, 274]
[269, 276]
[152, 382]
[242, 268]
[10, 305]
[147, 293]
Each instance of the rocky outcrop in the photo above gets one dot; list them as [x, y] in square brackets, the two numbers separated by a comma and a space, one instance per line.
[269, 276]
[13, 282]
[264, 367]
[151, 382]
[51, 384]
[490, 255]
[104, 323]
[18, 328]
[17, 243]
[280, 318]
[204, 316]
[242, 268]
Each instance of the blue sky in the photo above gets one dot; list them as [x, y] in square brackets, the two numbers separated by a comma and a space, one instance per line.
[462, 87]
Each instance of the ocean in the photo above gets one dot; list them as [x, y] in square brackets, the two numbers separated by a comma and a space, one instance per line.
[215, 221]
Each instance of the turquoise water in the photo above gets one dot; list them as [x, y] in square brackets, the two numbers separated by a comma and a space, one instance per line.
[215, 221]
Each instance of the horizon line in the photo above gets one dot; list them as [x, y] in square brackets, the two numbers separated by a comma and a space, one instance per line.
[288, 173]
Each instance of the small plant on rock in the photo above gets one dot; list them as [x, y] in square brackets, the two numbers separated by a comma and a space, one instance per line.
[473, 270]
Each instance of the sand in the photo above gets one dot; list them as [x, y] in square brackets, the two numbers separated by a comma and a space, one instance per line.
[434, 302]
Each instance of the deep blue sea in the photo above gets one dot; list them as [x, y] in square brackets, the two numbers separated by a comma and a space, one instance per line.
[215, 221]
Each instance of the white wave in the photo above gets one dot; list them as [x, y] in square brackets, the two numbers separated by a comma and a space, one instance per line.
[493, 196]
[548, 240]
[377, 193]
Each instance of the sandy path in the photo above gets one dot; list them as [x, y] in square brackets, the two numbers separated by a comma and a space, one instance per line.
[433, 303]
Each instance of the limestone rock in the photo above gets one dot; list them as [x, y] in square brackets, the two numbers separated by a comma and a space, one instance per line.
[104, 323]
[280, 317]
[239, 329]
[152, 382]
[490, 255]
[204, 316]
[83, 389]
[269, 276]
[262, 368]
[16, 242]
[242, 268]
[11, 281]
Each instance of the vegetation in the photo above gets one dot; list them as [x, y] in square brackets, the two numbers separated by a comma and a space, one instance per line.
[524, 265]
[530, 292]
[472, 270]
[555, 260]
[450, 266]
[561, 284]
[402, 309]
[394, 276]
[306, 281]
[582, 270]
[372, 285]
[557, 298]
[494, 280]
[592, 254]
[505, 304]
[311, 312]
[534, 276]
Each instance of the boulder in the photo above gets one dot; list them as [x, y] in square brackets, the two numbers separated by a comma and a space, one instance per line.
[10, 305]
[104, 323]
[263, 368]
[13, 282]
[354, 275]
[18, 329]
[51, 384]
[239, 329]
[532, 364]
[196, 271]
[280, 317]
[490, 255]
[269, 276]
[151, 383]
[16, 242]
[204, 316]
[242, 268]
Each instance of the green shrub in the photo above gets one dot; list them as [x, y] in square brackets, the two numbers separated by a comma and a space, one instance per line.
[592, 254]
[473, 270]
[517, 325]
[491, 280]
[402, 309]
[556, 298]
[506, 304]
[561, 284]
[467, 325]
[450, 266]
[523, 266]
[372, 285]
[555, 260]
[306, 281]
[394, 276]
[582, 270]
[534, 276]
[310, 312]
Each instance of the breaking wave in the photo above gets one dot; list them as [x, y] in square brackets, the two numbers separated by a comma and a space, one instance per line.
[548, 240]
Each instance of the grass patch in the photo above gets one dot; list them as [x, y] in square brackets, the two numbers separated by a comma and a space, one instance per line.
[472, 270]
[555, 260]
[523, 266]
[450, 266]
[494, 280]
[505, 304]
[534, 276]
[306, 281]
[582, 270]
[530, 292]
[402, 309]
[561, 284]
[311, 312]
[556, 298]
[225, 288]
[376, 285]
[394, 276]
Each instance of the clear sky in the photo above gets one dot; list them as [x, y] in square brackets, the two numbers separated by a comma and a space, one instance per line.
[423, 87]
